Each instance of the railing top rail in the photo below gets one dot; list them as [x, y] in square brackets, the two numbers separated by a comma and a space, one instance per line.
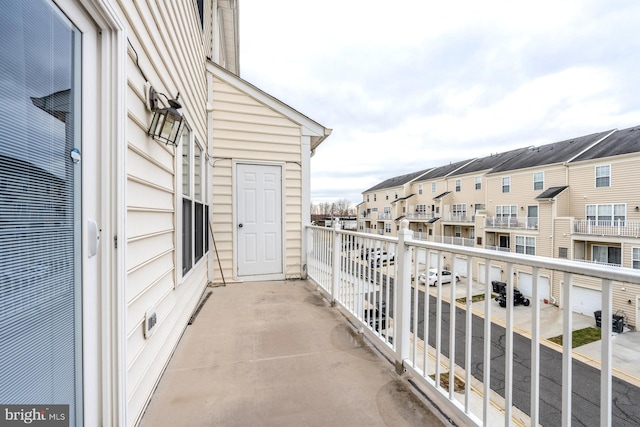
[618, 274]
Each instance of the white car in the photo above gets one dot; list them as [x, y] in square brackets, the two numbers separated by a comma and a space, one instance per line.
[383, 258]
[433, 277]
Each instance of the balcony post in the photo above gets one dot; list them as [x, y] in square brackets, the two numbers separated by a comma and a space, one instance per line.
[403, 292]
[335, 271]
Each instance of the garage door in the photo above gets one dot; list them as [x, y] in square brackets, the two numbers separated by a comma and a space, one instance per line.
[586, 301]
[525, 284]
[461, 266]
[494, 274]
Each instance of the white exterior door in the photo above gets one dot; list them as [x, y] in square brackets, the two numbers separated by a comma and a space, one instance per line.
[259, 221]
[525, 285]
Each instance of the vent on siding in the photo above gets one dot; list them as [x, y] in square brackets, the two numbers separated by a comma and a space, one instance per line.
[563, 253]
[150, 321]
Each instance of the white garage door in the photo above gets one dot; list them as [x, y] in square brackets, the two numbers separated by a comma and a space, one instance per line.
[586, 301]
[525, 284]
[494, 274]
[461, 266]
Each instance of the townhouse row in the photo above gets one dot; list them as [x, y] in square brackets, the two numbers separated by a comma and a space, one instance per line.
[576, 199]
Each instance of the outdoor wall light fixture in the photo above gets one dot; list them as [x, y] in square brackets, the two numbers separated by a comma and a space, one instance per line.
[166, 125]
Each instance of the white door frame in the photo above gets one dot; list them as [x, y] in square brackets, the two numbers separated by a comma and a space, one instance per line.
[104, 115]
[282, 166]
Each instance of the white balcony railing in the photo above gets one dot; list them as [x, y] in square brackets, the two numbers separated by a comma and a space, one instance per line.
[522, 223]
[455, 217]
[420, 216]
[498, 248]
[419, 330]
[607, 228]
[452, 240]
[384, 216]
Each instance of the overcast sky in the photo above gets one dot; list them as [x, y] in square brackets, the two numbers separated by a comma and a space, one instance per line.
[407, 85]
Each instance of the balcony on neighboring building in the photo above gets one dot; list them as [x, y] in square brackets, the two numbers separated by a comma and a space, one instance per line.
[519, 223]
[420, 216]
[620, 228]
[384, 216]
[498, 248]
[458, 217]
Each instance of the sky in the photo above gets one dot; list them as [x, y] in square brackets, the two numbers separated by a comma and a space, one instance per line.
[408, 85]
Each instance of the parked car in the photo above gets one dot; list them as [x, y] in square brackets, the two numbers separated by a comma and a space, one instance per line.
[432, 277]
[381, 258]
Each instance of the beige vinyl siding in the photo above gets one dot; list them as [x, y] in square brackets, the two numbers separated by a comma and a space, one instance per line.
[244, 129]
[168, 43]
[623, 189]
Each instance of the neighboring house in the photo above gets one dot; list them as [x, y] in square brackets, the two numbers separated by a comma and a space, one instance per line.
[573, 199]
[106, 234]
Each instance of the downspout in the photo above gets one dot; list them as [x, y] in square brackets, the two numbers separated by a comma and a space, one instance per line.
[306, 153]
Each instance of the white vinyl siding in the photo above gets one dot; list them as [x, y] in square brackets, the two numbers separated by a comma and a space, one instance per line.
[172, 61]
[245, 128]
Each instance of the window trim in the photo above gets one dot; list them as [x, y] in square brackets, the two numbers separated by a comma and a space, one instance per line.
[478, 183]
[524, 242]
[608, 176]
[196, 207]
[434, 187]
[458, 184]
[635, 258]
[508, 185]
[538, 181]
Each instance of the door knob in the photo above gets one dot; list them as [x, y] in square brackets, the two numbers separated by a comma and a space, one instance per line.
[239, 225]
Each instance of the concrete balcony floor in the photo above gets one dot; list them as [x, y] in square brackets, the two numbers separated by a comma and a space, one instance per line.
[276, 354]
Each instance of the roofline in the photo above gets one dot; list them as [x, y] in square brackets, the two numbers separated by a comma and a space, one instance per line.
[591, 146]
[310, 127]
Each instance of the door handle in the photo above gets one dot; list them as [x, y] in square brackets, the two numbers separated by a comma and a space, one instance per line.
[239, 225]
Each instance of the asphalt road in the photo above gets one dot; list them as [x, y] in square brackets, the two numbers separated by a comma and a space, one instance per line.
[586, 379]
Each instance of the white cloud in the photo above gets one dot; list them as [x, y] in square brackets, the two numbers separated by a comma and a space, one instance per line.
[413, 84]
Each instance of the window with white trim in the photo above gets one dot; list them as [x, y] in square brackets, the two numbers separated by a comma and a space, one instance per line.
[421, 208]
[478, 183]
[607, 214]
[387, 209]
[457, 231]
[526, 245]
[387, 227]
[606, 254]
[195, 212]
[420, 189]
[367, 197]
[506, 184]
[386, 197]
[603, 176]
[635, 258]
[375, 197]
[538, 180]
[459, 210]
[396, 194]
[506, 211]
[434, 187]
[458, 185]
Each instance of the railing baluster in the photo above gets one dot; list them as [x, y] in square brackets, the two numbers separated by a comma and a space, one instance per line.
[469, 336]
[452, 327]
[567, 341]
[486, 367]
[438, 317]
[426, 312]
[605, 367]
[508, 356]
[535, 350]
